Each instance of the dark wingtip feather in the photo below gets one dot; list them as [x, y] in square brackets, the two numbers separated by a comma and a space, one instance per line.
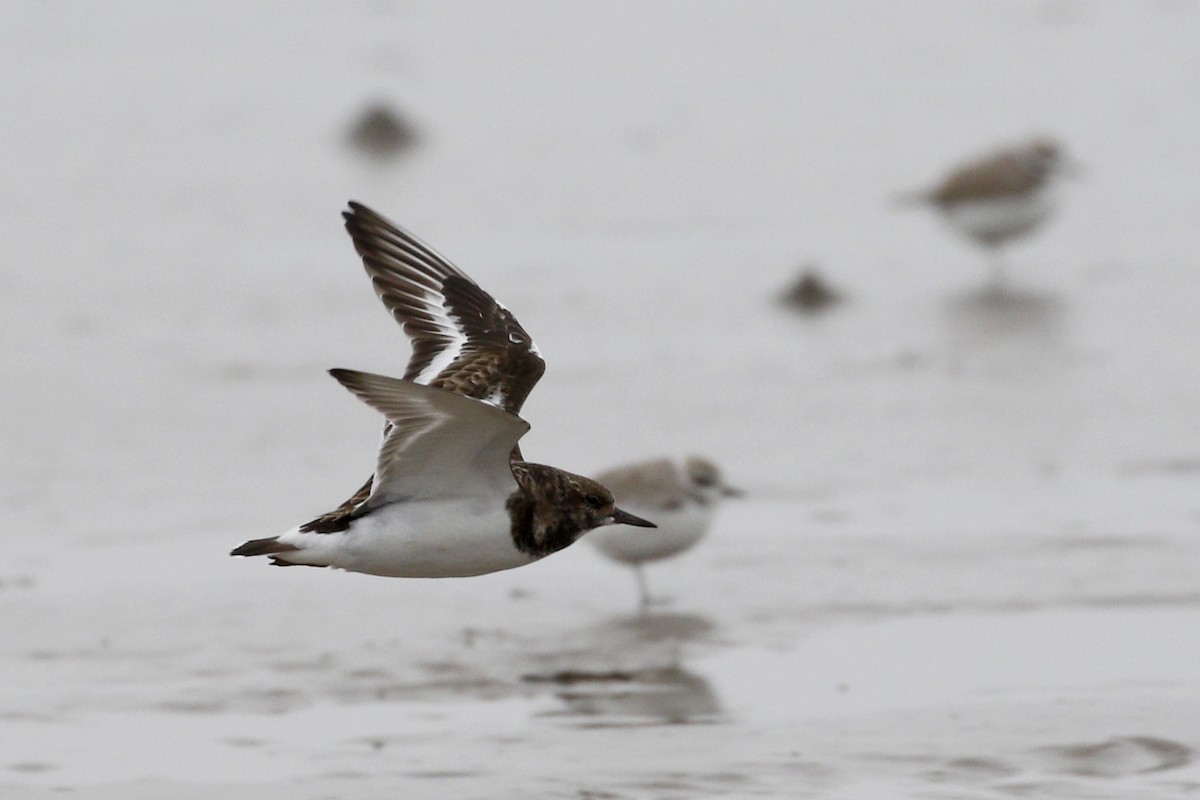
[356, 381]
[358, 216]
[361, 214]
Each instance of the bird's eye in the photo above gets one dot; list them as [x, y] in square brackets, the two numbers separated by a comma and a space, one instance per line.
[594, 500]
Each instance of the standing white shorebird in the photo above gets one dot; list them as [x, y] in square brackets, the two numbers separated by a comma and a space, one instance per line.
[451, 495]
[681, 496]
[1001, 197]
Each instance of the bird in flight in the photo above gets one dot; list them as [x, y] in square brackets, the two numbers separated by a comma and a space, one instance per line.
[451, 495]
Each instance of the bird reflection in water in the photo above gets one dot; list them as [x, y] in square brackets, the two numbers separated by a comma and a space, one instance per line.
[669, 695]
[595, 691]
[1013, 324]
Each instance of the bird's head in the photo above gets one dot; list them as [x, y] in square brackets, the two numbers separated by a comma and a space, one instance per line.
[1048, 158]
[554, 507]
[705, 481]
[595, 506]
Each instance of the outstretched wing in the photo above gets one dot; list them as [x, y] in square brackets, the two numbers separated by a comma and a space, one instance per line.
[462, 339]
[439, 444]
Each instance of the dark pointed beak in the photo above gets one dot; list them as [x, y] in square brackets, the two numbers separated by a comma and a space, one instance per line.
[732, 491]
[620, 517]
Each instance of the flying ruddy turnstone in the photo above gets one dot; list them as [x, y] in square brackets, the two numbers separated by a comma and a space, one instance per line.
[1000, 197]
[681, 496]
[451, 495]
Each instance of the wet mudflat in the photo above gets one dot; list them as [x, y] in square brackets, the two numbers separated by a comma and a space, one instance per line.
[815, 683]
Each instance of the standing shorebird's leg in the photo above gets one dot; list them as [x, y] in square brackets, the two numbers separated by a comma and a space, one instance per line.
[998, 265]
[643, 590]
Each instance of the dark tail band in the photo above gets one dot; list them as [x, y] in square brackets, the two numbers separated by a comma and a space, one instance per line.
[263, 547]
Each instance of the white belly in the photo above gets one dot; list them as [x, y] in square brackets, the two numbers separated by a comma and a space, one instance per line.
[430, 539]
[993, 222]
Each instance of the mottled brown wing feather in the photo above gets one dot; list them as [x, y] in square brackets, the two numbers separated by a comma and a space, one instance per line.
[498, 362]
[462, 339]
[339, 519]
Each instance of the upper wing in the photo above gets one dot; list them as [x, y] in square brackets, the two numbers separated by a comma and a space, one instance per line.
[462, 339]
[997, 175]
[440, 444]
